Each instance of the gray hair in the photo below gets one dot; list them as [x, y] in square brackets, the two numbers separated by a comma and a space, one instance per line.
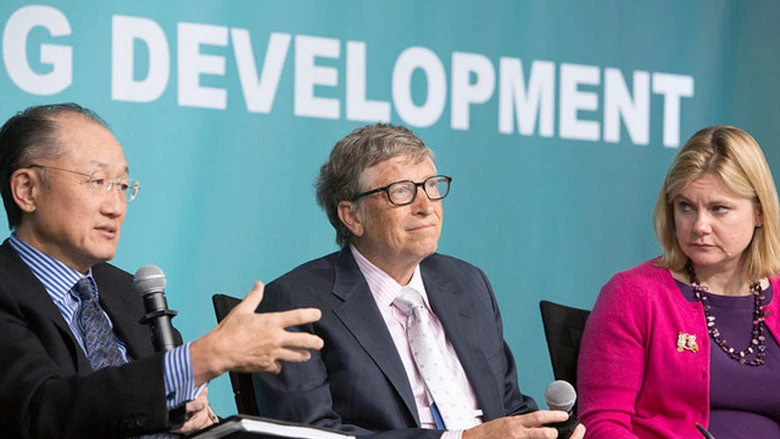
[340, 177]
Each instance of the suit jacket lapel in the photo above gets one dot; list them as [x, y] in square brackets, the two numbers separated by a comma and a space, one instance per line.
[116, 301]
[359, 313]
[455, 309]
[30, 291]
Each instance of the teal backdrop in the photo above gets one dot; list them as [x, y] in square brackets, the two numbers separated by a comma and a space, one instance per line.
[557, 121]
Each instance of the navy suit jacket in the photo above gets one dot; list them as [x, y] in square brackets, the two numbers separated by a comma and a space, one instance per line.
[357, 382]
[47, 386]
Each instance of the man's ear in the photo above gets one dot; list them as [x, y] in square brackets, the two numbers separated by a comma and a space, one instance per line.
[349, 214]
[24, 188]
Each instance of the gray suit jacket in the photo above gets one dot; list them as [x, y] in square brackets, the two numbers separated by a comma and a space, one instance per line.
[357, 383]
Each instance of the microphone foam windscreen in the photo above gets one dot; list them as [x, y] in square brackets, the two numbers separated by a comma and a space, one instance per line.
[149, 279]
[560, 395]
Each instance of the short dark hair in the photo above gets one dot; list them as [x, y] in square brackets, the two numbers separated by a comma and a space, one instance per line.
[30, 135]
[340, 177]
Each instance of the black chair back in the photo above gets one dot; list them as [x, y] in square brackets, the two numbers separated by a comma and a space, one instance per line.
[563, 327]
[243, 388]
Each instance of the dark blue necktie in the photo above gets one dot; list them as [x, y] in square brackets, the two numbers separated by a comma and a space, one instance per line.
[99, 342]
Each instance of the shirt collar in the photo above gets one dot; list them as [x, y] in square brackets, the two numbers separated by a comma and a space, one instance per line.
[383, 287]
[57, 278]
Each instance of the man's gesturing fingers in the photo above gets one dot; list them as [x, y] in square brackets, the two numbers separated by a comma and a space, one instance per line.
[248, 341]
[300, 316]
[251, 300]
[301, 340]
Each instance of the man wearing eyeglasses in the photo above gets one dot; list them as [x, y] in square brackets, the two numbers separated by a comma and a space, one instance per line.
[413, 339]
[75, 361]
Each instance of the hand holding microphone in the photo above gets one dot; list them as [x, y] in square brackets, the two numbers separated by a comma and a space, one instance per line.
[560, 395]
[149, 283]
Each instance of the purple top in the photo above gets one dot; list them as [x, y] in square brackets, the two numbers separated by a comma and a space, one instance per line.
[744, 400]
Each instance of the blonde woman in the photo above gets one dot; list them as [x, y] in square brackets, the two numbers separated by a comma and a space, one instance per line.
[691, 337]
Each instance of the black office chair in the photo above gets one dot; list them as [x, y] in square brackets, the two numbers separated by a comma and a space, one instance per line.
[563, 327]
[243, 388]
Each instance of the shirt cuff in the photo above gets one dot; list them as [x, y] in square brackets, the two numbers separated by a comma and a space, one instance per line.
[179, 378]
[452, 434]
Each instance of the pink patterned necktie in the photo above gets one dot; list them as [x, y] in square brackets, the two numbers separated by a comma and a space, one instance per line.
[456, 410]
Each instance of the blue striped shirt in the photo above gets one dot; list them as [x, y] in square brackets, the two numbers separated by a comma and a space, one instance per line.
[59, 280]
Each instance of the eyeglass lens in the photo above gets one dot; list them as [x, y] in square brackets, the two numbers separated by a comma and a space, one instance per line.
[404, 192]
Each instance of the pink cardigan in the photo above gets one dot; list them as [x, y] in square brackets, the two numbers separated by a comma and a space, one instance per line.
[633, 382]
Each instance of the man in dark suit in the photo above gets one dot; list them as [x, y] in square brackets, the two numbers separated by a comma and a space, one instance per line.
[75, 360]
[393, 310]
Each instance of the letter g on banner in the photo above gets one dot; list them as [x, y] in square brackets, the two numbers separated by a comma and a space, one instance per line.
[15, 34]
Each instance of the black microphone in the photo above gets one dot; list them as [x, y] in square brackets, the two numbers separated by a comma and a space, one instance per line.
[560, 395]
[704, 432]
[149, 283]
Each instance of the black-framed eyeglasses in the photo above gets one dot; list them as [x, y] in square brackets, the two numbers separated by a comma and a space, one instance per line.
[401, 193]
[96, 182]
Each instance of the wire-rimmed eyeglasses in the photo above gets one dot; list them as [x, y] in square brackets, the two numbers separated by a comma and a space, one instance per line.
[96, 182]
[401, 193]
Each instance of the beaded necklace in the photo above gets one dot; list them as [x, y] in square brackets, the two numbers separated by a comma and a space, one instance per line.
[756, 344]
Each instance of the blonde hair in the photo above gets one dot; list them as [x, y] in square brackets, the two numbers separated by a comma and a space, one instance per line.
[735, 157]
